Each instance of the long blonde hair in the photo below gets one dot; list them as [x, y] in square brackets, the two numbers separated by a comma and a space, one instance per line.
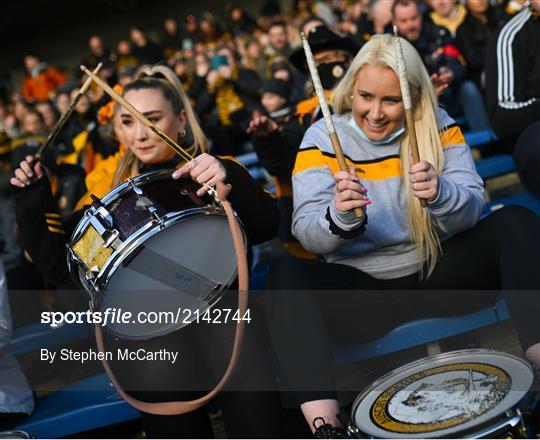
[161, 78]
[380, 50]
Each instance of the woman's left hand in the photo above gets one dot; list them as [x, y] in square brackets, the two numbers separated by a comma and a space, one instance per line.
[424, 180]
[203, 169]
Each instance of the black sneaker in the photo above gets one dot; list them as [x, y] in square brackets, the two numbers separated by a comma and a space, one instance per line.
[326, 430]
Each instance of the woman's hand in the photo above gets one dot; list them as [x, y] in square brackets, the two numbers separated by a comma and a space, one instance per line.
[203, 169]
[424, 180]
[349, 193]
[26, 173]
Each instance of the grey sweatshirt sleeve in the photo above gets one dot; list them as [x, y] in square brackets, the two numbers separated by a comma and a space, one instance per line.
[313, 195]
[460, 200]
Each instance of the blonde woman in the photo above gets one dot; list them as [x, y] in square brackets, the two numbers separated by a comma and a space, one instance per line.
[251, 406]
[403, 246]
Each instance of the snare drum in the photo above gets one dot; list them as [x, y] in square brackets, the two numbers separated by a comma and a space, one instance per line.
[463, 394]
[153, 248]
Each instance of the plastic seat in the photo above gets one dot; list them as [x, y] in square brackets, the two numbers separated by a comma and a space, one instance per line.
[494, 166]
[84, 405]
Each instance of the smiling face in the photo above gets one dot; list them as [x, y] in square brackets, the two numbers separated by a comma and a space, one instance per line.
[146, 145]
[376, 105]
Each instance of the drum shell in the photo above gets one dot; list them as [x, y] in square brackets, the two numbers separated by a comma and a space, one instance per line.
[176, 206]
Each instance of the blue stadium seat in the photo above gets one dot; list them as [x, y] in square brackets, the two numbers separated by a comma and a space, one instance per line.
[84, 405]
[476, 138]
[525, 199]
[420, 332]
[87, 404]
[495, 166]
[36, 336]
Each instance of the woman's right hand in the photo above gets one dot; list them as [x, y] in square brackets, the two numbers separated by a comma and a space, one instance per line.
[349, 193]
[29, 171]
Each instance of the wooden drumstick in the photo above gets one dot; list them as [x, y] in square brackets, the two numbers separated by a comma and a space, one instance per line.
[407, 101]
[65, 116]
[336, 145]
[143, 120]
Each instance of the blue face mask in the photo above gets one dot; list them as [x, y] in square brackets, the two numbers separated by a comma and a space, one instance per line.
[387, 140]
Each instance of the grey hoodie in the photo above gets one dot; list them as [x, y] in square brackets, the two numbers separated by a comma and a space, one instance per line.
[385, 250]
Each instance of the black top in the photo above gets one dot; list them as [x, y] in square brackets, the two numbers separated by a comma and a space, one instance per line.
[45, 241]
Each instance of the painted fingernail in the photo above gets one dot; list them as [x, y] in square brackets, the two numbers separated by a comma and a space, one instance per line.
[369, 202]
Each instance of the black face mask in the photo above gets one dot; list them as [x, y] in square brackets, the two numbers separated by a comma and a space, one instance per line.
[331, 73]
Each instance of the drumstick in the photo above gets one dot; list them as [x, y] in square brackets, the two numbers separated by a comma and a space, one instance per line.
[65, 116]
[143, 120]
[336, 145]
[407, 102]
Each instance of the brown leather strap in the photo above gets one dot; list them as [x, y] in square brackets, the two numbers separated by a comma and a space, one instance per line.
[181, 407]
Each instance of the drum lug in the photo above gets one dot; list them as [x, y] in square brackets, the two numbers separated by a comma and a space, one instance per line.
[109, 237]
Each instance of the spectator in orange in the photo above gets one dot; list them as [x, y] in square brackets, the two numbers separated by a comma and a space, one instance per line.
[41, 80]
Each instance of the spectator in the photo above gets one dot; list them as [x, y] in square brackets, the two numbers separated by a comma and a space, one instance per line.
[231, 96]
[41, 80]
[302, 10]
[311, 22]
[16, 399]
[145, 50]
[125, 59]
[254, 58]
[275, 100]
[443, 61]
[172, 37]
[279, 44]
[31, 137]
[375, 21]
[513, 74]
[513, 89]
[99, 54]
[448, 14]
[48, 113]
[473, 34]
[239, 21]
[61, 101]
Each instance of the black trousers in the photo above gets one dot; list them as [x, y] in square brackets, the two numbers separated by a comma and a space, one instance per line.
[501, 253]
[527, 157]
[250, 402]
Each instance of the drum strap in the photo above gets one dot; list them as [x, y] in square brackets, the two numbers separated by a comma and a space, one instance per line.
[182, 407]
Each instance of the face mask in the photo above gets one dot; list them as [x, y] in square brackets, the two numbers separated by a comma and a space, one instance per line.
[331, 73]
[387, 140]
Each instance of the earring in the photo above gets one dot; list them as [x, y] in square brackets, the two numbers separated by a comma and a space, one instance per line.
[183, 132]
[352, 96]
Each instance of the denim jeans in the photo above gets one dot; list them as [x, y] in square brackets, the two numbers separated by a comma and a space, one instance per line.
[466, 99]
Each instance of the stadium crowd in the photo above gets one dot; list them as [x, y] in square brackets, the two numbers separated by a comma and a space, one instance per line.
[247, 81]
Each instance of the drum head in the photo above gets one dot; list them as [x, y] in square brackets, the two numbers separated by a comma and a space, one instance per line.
[441, 396]
[171, 277]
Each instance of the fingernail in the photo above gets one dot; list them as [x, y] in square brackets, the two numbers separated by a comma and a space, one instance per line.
[364, 190]
[175, 175]
[30, 173]
[369, 202]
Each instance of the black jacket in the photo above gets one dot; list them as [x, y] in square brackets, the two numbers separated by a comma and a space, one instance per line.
[44, 234]
[472, 37]
[513, 75]
[438, 48]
